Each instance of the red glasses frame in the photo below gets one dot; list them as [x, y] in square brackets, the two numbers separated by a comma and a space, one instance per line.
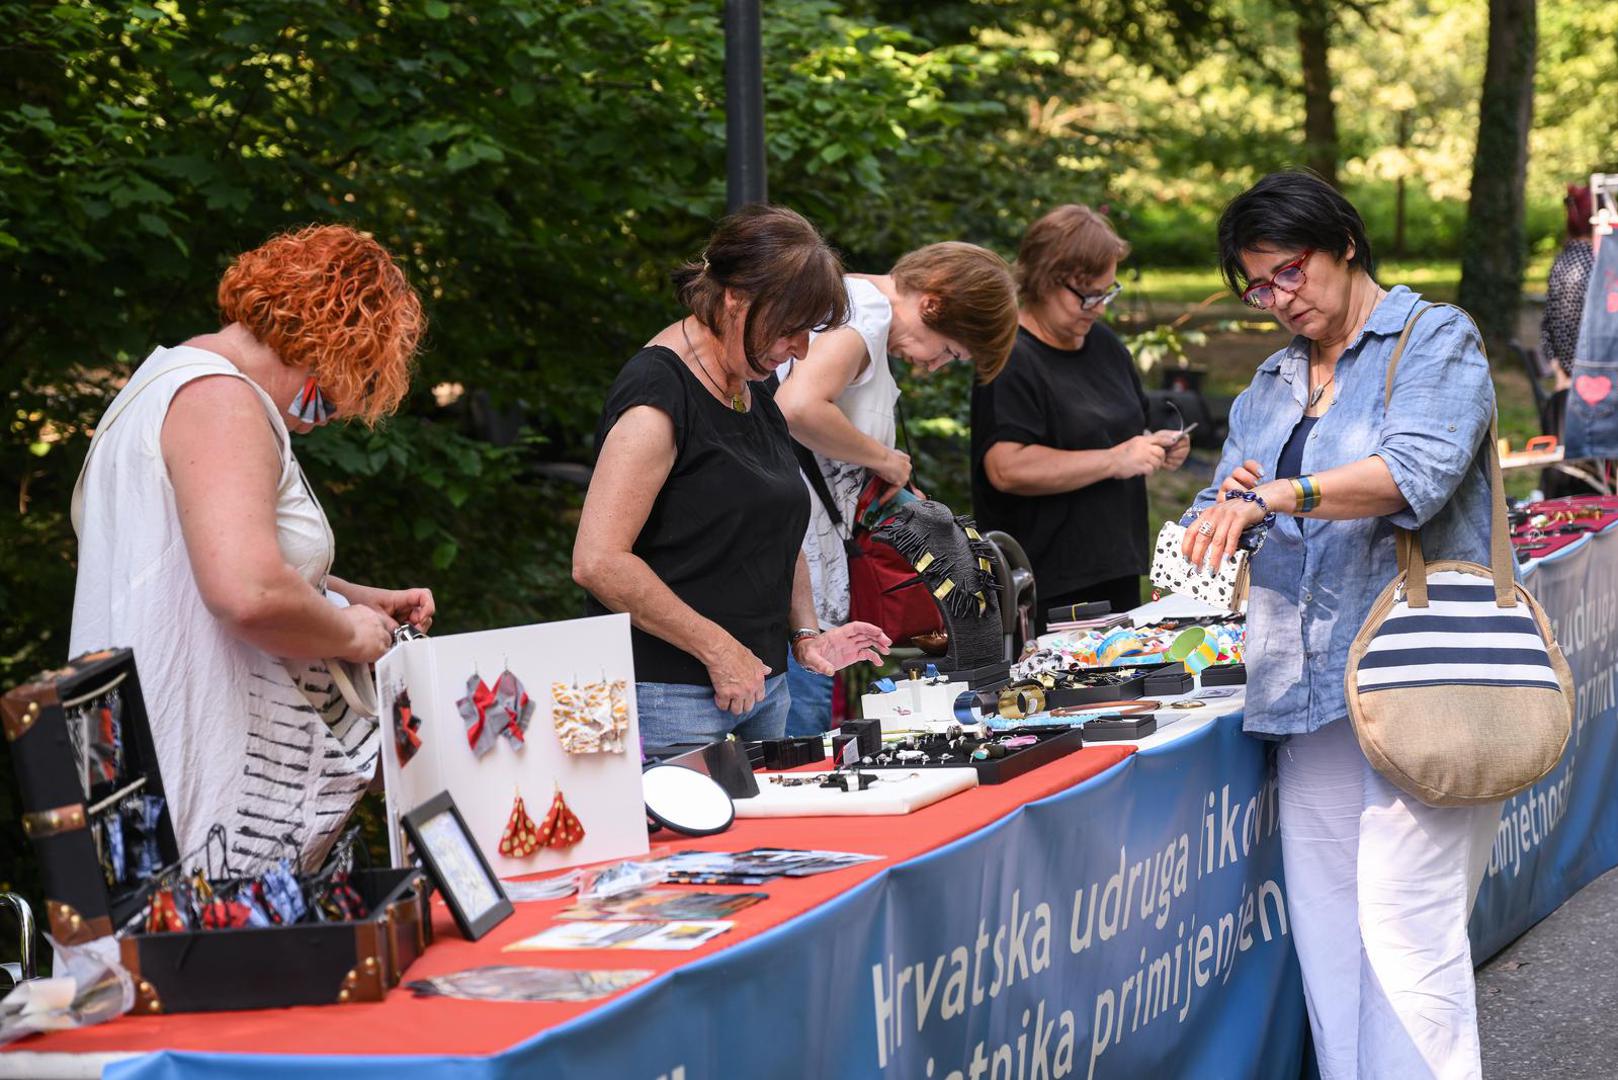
[1250, 295]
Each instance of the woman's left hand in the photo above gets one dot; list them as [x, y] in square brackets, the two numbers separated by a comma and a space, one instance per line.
[413, 606]
[1214, 536]
[1177, 452]
[833, 650]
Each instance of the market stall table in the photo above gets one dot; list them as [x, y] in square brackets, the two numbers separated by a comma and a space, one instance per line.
[405, 1025]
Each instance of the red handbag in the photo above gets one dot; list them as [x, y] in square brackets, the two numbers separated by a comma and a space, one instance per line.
[884, 588]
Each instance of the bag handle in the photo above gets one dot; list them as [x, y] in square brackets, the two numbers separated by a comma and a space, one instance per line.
[1412, 560]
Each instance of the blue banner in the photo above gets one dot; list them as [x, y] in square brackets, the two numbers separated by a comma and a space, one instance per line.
[1134, 925]
[1562, 833]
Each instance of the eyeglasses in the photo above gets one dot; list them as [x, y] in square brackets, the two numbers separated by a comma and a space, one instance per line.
[1091, 301]
[1289, 279]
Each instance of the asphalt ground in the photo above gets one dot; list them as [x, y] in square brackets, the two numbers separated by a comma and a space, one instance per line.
[1548, 1003]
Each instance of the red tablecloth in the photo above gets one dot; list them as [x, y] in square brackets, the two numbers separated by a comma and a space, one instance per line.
[404, 1024]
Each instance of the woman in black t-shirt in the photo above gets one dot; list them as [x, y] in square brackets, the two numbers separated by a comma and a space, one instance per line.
[695, 516]
[1059, 460]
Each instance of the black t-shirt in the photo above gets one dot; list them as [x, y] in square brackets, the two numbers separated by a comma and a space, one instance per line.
[1084, 399]
[725, 530]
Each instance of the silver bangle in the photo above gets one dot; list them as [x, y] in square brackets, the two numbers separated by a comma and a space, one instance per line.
[803, 632]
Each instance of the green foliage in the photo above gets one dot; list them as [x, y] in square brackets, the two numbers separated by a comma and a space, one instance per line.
[541, 165]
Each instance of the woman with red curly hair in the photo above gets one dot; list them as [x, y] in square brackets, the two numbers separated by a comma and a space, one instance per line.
[203, 548]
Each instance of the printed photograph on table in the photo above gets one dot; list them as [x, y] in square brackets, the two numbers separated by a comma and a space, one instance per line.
[507, 982]
[658, 936]
[655, 905]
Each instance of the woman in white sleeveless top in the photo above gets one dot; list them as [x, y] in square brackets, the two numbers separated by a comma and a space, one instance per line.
[202, 547]
[943, 302]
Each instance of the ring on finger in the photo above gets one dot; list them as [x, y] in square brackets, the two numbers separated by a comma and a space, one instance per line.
[1206, 528]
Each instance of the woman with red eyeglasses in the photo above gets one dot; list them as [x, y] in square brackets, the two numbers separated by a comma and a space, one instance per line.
[1316, 474]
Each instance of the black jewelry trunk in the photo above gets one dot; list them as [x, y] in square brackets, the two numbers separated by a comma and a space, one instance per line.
[181, 971]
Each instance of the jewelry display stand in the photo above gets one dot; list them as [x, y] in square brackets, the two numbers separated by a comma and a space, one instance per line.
[602, 789]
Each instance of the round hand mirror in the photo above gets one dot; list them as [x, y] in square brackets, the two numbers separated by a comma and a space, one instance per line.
[686, 801]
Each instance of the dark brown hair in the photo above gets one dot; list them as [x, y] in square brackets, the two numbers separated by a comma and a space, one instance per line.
[976, 299]
[1070, 241]
[780, 264]
[1578, 202]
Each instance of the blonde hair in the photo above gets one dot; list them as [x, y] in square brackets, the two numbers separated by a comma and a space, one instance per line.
[976, 299]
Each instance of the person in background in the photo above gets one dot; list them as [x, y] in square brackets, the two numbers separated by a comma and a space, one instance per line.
[1379, 884]
[202, 547]
[1060, 450]
[694, 519]
[942, 303]
[1566, 286]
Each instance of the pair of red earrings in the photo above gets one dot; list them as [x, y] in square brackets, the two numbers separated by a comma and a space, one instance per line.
[561, 828]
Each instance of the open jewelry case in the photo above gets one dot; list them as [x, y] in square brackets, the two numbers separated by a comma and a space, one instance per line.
[94, 808]
[997, 758]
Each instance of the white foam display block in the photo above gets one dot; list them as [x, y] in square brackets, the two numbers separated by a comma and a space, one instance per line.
[895, 792]
[914, 701]
[603, 790]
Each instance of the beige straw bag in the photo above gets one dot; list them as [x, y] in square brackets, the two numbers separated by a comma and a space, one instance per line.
[1456, 687]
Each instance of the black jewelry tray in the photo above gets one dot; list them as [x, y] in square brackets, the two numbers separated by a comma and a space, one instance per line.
[975, 678]
[1051, 745]
[1128, 689]
[1225, 675]
[1166, 680]
[1120, 729]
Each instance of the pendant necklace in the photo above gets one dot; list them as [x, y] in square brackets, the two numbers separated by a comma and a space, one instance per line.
[1316, 394]
[736, 402]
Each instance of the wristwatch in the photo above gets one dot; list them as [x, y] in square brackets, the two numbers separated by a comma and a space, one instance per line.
[802, 632]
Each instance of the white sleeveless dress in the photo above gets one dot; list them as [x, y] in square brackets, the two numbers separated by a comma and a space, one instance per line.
[264, 746]
[869, 403]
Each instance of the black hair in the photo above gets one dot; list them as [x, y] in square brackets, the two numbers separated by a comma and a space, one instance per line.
[780, 263]
[1291, 210]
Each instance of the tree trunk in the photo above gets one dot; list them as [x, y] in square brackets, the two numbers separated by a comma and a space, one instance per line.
[1319, 115]
[1496, 230]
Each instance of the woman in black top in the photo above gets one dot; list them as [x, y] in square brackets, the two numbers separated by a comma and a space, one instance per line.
[1059, 458]
[1565, 288]
[695, 516]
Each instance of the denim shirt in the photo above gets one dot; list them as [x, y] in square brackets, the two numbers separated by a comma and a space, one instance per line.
[1313, 582]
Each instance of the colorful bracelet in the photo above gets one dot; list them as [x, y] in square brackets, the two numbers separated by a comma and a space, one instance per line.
[1307, 491]
[1255, 497]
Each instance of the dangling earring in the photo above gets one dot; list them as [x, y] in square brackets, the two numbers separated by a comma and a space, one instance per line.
[310, 406]
[520, 839]
[561, 827]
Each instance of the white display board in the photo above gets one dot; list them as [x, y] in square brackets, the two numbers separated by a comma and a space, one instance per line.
[602, 789]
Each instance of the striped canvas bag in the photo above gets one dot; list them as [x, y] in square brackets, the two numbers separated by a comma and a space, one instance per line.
[1456, 687]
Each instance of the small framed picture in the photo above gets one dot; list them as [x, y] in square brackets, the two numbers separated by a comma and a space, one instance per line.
[438, 833]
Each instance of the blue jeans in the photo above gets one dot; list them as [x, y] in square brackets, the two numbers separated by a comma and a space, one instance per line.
[674, 713]
[811, 700]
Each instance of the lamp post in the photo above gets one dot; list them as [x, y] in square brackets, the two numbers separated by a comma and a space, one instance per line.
[744, 105]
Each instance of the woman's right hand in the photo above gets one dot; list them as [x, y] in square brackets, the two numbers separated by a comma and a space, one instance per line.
[1141, 456]
[737, 676]
[1245, 478]
[895, 468]
[370, 633]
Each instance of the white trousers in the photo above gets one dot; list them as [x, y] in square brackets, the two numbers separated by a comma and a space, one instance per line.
[1379, 888]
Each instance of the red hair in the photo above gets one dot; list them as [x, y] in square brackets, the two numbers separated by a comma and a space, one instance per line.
[331, 299]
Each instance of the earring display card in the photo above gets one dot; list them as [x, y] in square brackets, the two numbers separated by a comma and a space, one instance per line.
[602, 791]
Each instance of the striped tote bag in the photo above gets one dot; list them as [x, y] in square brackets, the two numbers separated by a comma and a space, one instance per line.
[1457, 689]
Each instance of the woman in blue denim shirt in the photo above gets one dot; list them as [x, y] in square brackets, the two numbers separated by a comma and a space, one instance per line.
[1379, 885]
